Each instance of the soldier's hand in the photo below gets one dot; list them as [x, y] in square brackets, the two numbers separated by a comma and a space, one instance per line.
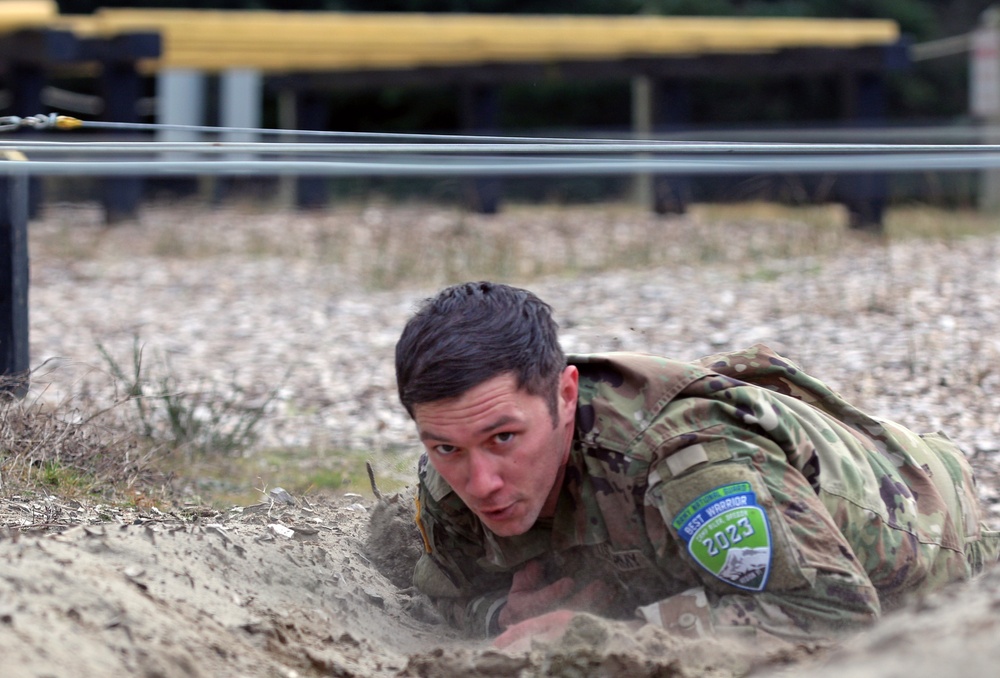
[530, 596]
[596, 597]
[547, 627]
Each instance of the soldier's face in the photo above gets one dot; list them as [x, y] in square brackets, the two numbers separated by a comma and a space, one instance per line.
[497, 447]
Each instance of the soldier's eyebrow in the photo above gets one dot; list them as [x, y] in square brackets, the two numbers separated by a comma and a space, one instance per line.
[426, 435]
[500, 422]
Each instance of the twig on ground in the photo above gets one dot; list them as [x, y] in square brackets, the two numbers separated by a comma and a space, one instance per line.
[371, 478]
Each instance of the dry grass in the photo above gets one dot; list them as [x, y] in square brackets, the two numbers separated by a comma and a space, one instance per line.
[81, 457]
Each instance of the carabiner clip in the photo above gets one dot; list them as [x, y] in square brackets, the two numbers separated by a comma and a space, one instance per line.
[40, 121]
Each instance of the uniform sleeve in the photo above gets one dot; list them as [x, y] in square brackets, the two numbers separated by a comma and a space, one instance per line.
[756, 536]
[468, 596]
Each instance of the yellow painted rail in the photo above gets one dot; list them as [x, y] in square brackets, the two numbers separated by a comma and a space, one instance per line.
[330, 41]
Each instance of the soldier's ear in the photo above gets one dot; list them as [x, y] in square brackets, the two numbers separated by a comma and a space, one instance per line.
[569, 386]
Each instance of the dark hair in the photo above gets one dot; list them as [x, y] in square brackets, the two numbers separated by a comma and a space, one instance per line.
[475, 331]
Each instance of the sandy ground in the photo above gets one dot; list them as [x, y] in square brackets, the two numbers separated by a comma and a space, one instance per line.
[268, 590]
[279, 589]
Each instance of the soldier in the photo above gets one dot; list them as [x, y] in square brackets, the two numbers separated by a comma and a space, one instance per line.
[733, 495]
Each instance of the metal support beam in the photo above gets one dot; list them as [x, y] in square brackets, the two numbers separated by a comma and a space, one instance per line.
[14, 356]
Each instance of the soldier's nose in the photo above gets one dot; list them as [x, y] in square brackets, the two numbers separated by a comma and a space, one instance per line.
[483, 474]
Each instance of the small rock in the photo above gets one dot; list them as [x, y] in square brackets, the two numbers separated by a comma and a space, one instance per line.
[281, 531]
[281, 496]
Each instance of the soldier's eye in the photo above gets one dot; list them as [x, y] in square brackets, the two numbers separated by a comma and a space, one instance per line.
[445, 450]
[504, 437]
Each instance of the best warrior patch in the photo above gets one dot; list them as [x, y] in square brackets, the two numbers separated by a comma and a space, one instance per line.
[729, 535]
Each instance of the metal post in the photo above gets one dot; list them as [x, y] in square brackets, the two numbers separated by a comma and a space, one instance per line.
[984, 98]
[240, 103]
[180, 100]
[14, 356]
[287, 119]
[642, 128]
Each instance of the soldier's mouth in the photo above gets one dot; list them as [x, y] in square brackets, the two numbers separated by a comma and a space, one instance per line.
[498, 514]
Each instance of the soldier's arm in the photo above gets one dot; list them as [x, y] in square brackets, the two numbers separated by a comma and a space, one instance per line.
[474, 614]
[468, 597]
[733, 517]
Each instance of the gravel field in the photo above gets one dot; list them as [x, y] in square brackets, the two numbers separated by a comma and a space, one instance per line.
[295, 304]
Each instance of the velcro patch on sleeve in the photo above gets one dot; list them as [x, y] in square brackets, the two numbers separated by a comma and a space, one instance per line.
[686, 458]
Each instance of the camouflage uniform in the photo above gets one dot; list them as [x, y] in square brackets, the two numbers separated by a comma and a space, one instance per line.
[733, 495]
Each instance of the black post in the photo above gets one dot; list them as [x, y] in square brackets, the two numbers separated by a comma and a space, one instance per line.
[311, 111]
[26, 83]
[481, 115]
[14, 355]
[866, 194]
[671, 113]
[121, 86]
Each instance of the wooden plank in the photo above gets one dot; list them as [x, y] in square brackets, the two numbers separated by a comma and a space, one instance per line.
[19, 14]
[792, 62]
[324, 41]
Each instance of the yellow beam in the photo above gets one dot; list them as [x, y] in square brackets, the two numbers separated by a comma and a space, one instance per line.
[290, 41]
[18, 14]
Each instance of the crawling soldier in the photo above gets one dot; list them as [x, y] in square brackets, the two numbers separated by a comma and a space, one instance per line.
[734, 494]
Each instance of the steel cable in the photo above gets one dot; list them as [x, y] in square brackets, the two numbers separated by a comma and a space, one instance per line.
[400, 154]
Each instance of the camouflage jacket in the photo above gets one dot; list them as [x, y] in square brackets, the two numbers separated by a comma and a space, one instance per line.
[735, 494]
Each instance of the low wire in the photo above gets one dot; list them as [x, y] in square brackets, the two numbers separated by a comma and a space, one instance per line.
[605, 148]
[411, 154]
[264, 131]
[513, 166]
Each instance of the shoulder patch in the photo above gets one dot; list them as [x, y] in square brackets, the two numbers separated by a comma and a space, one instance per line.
[728, 534]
